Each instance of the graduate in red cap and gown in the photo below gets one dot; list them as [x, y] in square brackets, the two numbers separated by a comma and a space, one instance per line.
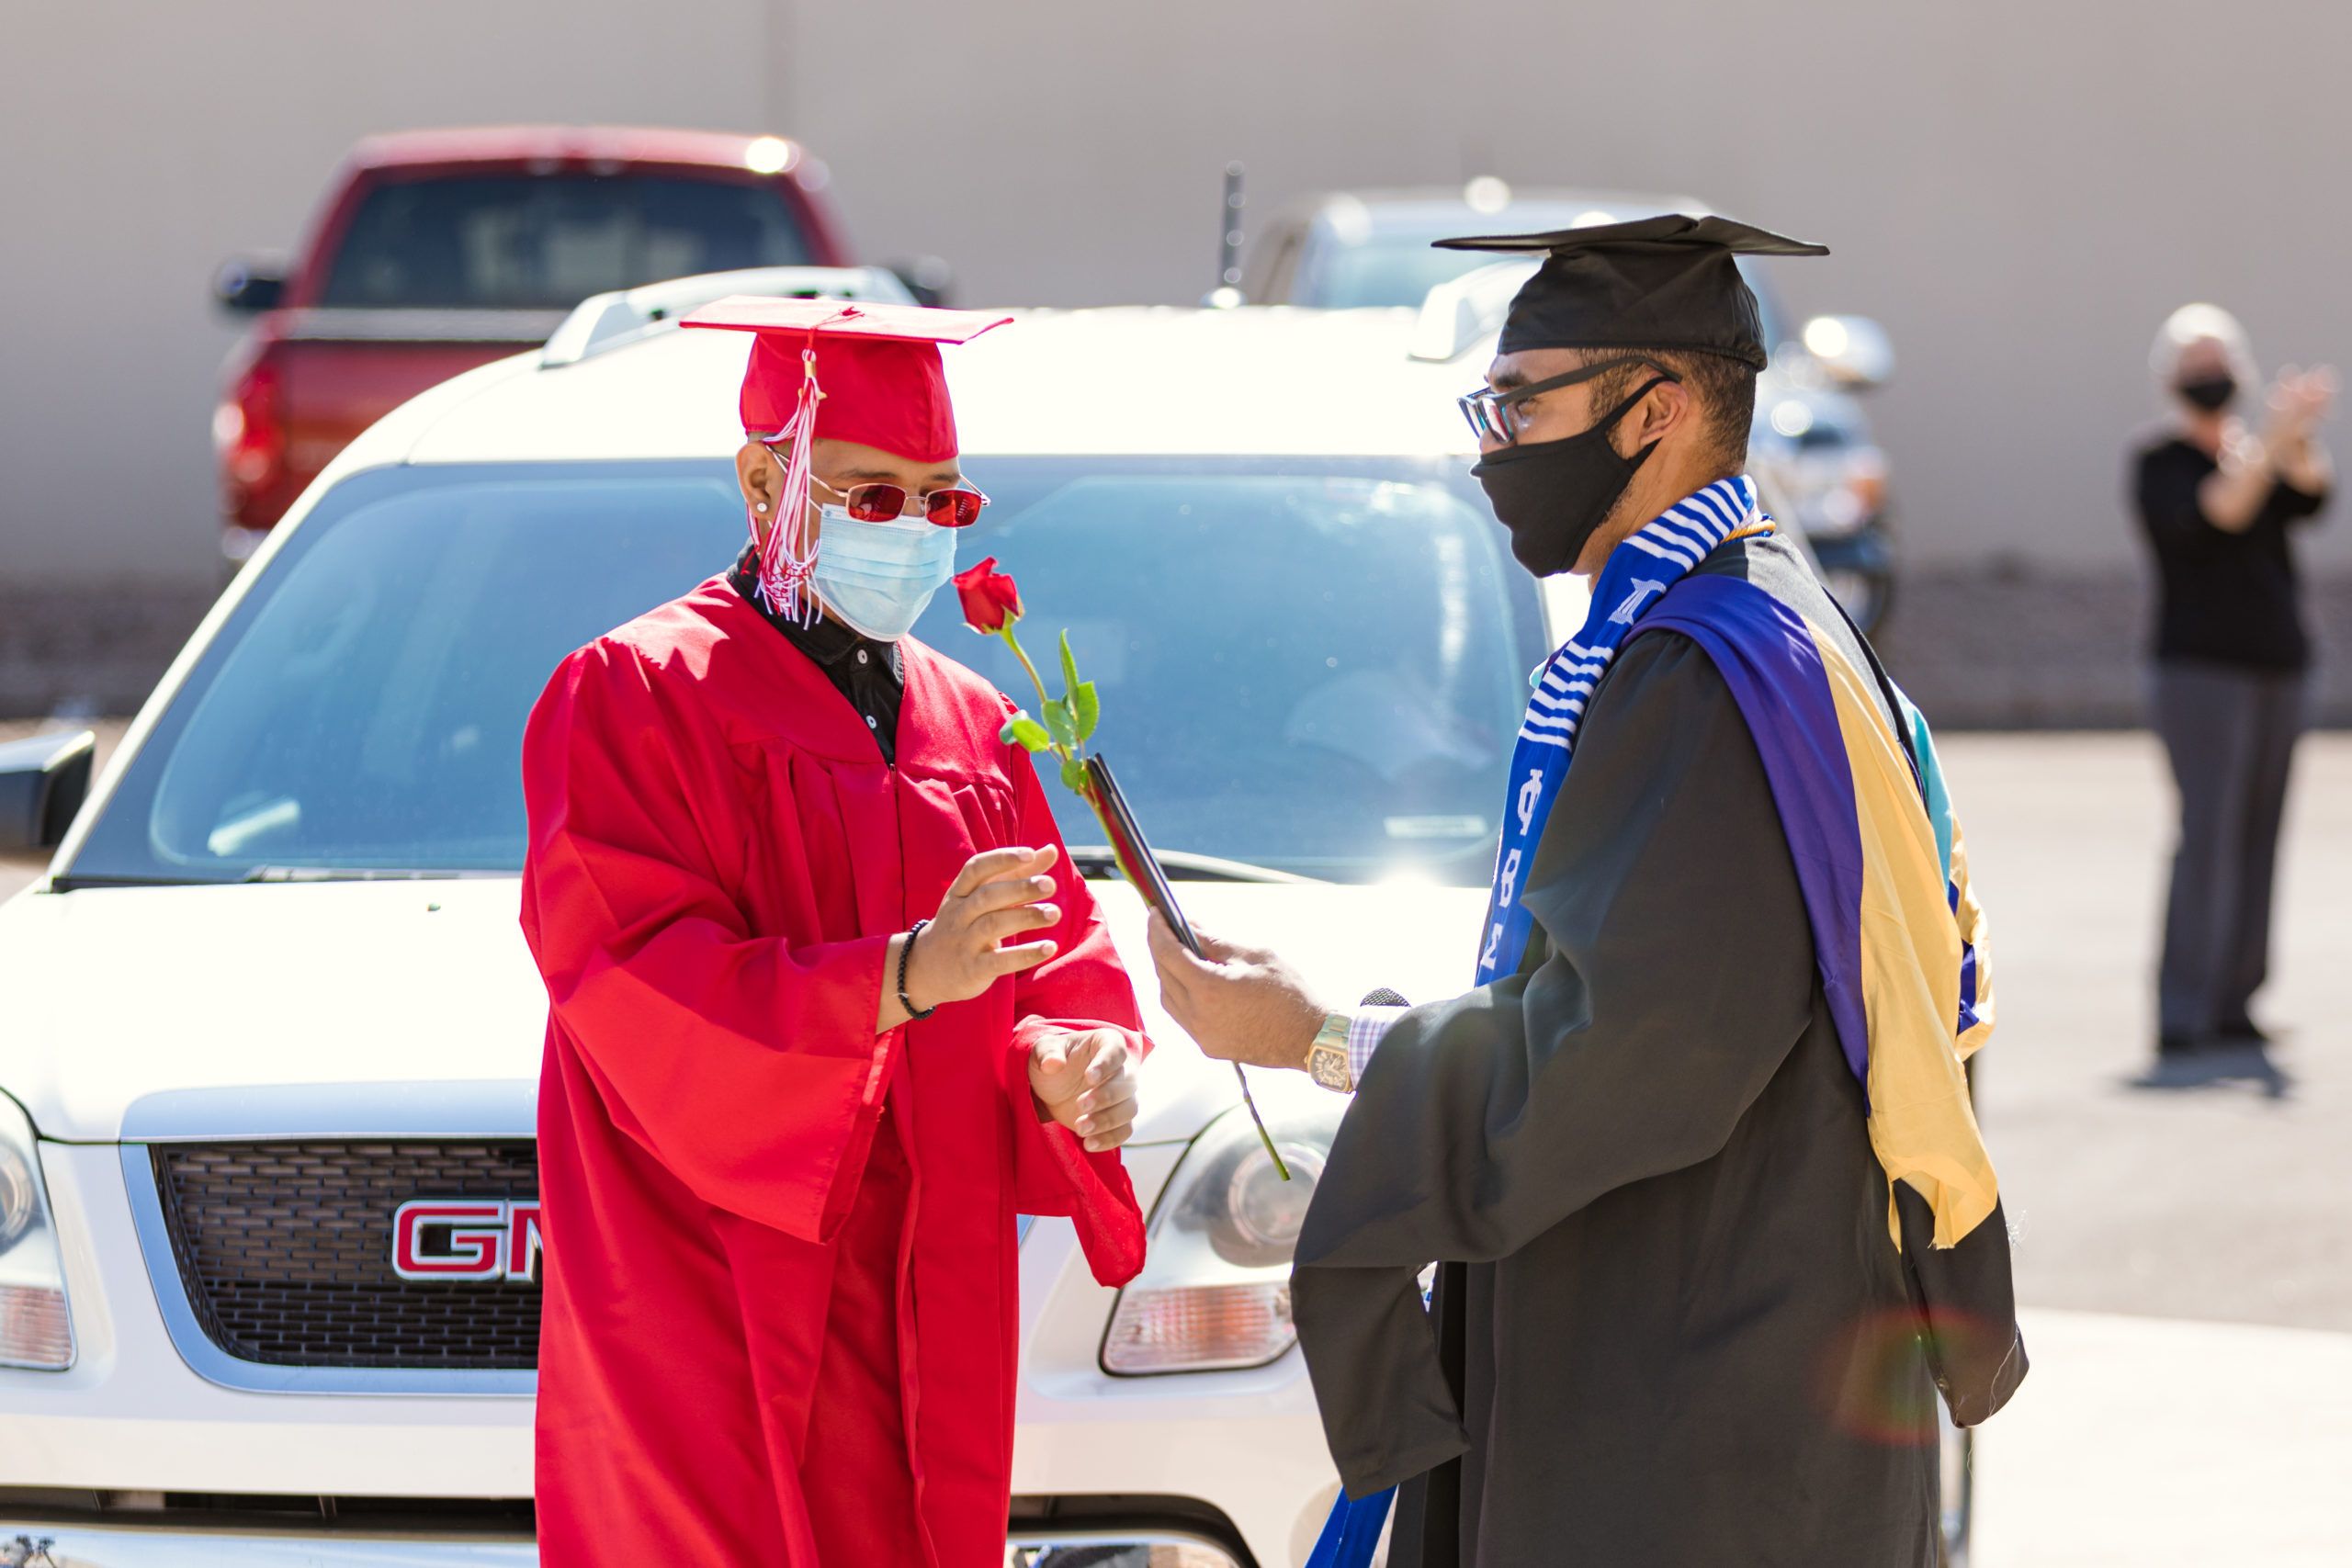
[829, 1009]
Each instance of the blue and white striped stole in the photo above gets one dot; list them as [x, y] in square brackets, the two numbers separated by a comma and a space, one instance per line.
[1637, 574]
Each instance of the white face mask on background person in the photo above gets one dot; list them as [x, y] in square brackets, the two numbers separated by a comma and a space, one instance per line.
[879, 577]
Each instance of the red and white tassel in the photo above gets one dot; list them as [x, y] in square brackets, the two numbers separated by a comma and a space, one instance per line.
[788, 556]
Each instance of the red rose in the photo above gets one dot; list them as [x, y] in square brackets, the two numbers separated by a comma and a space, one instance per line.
[991, 599]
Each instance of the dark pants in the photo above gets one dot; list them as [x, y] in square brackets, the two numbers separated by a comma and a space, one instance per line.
[2230, 734]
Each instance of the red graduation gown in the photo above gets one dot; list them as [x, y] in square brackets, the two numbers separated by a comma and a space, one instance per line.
[780, 1317]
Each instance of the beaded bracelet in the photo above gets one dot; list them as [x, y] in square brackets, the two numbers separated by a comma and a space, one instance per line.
[906, 951]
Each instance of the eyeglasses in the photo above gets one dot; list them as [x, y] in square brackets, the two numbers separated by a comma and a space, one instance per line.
[1495, 416]
[883, 503]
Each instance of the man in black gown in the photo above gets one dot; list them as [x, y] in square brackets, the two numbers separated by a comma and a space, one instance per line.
[1670, 1326]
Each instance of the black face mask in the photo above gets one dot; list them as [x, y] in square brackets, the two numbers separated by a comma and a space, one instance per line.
[2211, 393]
[1552, 495]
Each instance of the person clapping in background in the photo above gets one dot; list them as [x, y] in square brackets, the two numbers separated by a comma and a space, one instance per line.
[2217, 499]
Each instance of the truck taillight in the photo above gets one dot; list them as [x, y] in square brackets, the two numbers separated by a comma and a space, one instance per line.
[248, 431]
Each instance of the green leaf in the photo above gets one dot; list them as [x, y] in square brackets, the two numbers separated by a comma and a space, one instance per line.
[1074, 776]
[1086, 709]
[1057, 721]
[1070, 667]
[1023, 731]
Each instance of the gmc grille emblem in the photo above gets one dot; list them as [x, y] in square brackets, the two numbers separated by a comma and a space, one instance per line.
[468, 1240]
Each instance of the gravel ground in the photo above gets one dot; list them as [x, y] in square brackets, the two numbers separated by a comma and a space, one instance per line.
[1989, 646]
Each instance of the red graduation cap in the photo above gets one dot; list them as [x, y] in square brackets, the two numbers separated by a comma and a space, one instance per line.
[882, 384]
[839, 370]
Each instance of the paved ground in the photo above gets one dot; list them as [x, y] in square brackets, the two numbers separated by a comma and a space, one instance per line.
[2142, 1442]
[2150, 1435]
[2183, 1244]
[2221, 1199]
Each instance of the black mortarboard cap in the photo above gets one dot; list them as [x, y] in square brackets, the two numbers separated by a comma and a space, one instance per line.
[1664, 282]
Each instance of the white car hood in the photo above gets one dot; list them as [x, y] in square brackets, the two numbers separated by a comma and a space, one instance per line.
[117, 995]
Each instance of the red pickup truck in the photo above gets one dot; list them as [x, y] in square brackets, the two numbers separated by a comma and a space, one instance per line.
[436, 251]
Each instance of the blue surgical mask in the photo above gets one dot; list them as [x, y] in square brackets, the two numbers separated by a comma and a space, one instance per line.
[878, 577]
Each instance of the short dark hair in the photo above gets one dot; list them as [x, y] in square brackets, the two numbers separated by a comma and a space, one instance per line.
[1723, 387]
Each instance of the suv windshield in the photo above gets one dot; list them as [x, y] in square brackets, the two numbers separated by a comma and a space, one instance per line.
[1385, 268]
[1316, 665]
[1392, 262]
[546, 241]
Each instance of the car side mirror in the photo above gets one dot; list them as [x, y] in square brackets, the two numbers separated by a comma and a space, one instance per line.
[43, 781]
[928, 278]
[246, 289]
[1851, 351]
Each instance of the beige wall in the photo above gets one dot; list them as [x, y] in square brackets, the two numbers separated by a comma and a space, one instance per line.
[2018, 191]
[144, 141]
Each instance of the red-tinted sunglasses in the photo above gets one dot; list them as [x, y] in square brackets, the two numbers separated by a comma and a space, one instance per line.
[883, 503]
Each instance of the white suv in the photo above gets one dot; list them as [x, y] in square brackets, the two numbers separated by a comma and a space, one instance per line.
[270, 1014]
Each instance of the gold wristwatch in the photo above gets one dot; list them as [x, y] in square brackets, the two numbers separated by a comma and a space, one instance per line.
[1326, 1058]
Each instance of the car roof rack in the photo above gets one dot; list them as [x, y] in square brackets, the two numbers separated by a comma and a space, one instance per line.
[1464, 311]
[602, 323]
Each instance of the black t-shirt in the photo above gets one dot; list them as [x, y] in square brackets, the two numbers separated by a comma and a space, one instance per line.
[863, 670]
[2223, 598]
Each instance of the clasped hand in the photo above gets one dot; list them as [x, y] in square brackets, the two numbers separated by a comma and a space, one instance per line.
[2298, 399]
[1086, 1081]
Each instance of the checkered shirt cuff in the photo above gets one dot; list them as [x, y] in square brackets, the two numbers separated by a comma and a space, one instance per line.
[1364, 1029]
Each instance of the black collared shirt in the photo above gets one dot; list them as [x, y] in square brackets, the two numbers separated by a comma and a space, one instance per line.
[863, 670]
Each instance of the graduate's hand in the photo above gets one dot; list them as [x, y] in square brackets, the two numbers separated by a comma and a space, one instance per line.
[998, 894]
[1087, 1082]
[1239, 1003]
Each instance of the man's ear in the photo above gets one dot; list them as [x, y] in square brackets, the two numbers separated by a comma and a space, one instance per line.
[1667, 408]
[756, 472]
[761, 480]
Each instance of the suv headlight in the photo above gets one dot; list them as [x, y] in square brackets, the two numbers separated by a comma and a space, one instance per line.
[35, 1330]
[1214, 1290]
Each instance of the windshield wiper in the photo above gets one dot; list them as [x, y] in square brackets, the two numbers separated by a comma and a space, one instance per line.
[356, 874]
[1182, 865]
[73, 882]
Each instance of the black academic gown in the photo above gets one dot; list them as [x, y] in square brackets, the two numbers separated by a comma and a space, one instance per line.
[1672, 1328]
